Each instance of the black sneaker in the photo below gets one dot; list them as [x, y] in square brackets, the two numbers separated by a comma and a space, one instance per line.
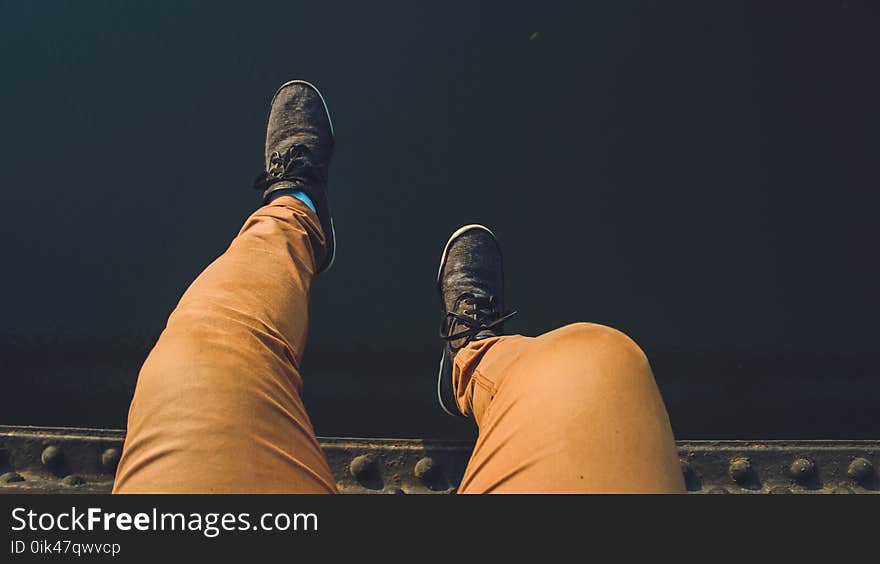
[299, 146]
[471, 286]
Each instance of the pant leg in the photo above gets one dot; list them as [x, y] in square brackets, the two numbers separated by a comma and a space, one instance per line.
[574, 410]
[217, 407]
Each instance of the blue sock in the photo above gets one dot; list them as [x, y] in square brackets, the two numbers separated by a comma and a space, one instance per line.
[298, 194]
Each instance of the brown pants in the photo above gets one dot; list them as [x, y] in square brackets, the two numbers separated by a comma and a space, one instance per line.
[217, 406]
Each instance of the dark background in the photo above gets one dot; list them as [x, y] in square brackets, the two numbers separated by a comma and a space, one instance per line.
[700, 175]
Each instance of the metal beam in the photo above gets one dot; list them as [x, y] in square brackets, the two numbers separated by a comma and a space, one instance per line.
[71, 460]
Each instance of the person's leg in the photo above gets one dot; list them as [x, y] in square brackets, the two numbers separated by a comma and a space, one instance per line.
[574, 410]
[217, 407]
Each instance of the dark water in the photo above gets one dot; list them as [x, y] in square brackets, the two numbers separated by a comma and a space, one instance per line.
[703, 176]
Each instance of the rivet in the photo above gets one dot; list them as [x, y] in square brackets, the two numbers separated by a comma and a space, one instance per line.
[363, 467]
[10, 477]
[779, 490]
[51, 456]
[802, 470]
[861, 470]
[110, 459]
[740, 470]
[73, 480]
[427, 470]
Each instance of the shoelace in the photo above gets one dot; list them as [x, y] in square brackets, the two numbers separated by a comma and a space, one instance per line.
[297, 158]
[481, 314]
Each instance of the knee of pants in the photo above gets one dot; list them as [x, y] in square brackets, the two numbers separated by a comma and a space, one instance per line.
[581, 357]
[598, 340]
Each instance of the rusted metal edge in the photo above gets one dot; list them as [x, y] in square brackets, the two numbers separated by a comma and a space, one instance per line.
[75, 460]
